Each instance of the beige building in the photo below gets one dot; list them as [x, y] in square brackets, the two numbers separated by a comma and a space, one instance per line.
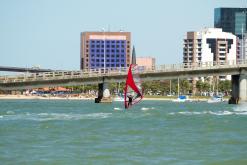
[146, 62]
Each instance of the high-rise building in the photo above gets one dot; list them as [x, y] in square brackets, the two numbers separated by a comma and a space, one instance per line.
[209, 45]
[232, 20]
[105, 50]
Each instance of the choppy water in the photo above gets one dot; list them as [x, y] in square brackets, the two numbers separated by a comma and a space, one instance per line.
[152, 132]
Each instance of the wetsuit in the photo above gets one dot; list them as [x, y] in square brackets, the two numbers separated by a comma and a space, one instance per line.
[130, 100]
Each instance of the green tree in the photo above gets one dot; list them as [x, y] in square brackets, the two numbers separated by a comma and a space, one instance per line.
[199, 86]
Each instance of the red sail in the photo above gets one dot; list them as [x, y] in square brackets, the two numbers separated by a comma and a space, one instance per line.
[133, 92]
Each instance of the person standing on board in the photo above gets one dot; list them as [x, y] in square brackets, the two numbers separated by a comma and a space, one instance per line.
[130, 97]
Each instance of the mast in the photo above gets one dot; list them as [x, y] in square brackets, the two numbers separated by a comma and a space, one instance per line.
[170, 87]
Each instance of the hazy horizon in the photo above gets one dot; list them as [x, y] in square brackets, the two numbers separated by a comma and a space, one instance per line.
[47, 33]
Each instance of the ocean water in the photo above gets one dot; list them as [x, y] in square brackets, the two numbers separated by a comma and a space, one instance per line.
[152, 132]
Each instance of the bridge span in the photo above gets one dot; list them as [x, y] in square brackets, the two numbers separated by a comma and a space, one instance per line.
[21, 69]
[238, 70]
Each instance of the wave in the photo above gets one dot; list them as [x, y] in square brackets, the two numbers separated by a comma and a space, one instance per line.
[146, 108]
[118, 109]
[241, 108]
[218, 113]
[55, 116]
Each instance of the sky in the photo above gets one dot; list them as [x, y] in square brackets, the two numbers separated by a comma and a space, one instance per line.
[46, 33]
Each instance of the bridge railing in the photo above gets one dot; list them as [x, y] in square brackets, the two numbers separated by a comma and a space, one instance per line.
[117, 71]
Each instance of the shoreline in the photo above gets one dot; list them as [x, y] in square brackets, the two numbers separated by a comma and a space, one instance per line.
[24, 97]
[31, 97]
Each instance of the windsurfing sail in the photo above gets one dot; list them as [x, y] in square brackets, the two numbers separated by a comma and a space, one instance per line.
[133, 92]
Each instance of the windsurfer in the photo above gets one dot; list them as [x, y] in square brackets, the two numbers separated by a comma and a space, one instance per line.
[130, 97]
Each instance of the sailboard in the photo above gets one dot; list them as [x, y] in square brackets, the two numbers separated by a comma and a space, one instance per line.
[133, 91]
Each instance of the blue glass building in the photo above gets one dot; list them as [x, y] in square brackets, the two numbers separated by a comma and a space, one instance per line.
[232, 20]
[105, 50]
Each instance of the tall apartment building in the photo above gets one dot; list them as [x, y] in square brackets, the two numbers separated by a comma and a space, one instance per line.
[209, 45]
[105, 50]
[233, 20]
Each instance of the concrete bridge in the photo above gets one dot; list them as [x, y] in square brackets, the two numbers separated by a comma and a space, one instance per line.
[19, 69]
[102, 76]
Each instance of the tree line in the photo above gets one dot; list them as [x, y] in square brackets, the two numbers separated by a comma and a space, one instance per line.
[167, 87]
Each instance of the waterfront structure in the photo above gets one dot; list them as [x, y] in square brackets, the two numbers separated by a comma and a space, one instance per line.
[146, 62]
[233, 20]
[163, 72]
[105, 50]
[209, 45]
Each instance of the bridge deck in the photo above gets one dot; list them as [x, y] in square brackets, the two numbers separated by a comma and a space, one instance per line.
[118, 74]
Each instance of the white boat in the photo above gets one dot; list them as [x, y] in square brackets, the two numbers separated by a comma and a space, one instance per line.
[181, 99]
[215, 99]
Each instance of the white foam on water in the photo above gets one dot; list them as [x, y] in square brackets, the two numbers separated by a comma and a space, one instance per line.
[217, 113]
[118, 109]
[10, 112]
[241, 113]
[241, 108]
[146, 108]
[1, 117]
[56, 116]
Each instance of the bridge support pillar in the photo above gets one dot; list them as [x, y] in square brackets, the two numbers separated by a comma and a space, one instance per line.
[103, 93]
[243, 88]
[235, 90]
